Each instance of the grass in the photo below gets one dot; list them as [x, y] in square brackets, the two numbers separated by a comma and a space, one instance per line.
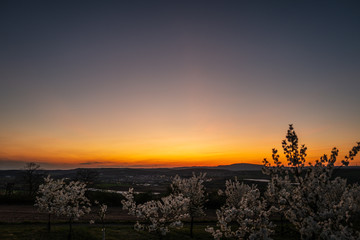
[90, 232]
[113, 232]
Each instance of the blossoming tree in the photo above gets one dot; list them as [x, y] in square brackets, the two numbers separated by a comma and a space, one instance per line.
[317, 204]
[73, 202]
[157, 216]
[63, 199]
[245, 214]
[192, 188]
[46, 200]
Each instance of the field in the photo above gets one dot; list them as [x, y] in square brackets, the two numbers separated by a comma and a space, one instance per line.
[20, 220]
[113, 232]
[83, 232]
[24, 222]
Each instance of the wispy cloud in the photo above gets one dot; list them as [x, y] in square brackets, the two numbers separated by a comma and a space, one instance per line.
[96, 163]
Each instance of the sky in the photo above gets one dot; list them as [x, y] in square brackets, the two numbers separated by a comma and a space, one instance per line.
[175, 83]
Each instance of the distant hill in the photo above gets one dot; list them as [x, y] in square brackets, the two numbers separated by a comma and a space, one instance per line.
[231, 167]
[241, 167]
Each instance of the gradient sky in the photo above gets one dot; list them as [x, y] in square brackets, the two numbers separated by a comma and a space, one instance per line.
[175, 83]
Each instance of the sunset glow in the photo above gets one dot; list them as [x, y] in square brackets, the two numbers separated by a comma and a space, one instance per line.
[162, 84]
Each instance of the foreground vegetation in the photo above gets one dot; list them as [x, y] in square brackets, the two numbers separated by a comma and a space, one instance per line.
[113, 232]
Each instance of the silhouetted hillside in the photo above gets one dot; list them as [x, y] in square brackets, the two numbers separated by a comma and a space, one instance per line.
[241, 167]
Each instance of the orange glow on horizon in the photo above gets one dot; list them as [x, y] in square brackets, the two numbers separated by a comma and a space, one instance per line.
[147, 160]
[162, 146]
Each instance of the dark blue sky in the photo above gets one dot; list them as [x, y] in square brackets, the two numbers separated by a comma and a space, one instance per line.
[137, 73]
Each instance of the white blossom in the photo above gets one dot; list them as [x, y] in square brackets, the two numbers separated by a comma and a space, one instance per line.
[318, 205]
[194, 189]
[245, 214]
[72, 201]
[47, 195]
[157, 216]
[63, 199]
